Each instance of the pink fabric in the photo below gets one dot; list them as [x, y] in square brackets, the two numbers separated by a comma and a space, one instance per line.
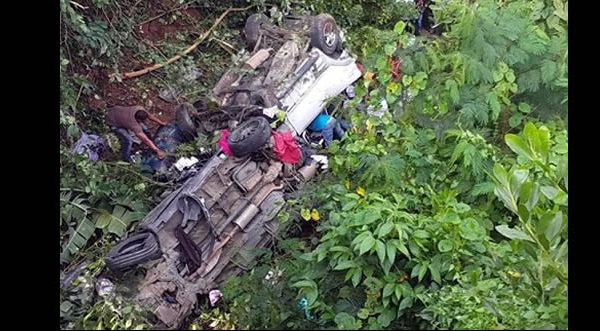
[223, 142]
[286, 148]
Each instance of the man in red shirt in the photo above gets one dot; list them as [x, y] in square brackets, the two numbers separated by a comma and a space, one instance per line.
[128, 124]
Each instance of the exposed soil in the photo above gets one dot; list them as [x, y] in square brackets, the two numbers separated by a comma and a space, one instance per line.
[128, 93]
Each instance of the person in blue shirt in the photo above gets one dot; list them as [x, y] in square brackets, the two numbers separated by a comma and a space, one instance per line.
[329, 127]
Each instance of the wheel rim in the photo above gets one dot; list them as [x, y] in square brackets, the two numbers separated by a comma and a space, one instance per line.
[329, 36]
[246, 131]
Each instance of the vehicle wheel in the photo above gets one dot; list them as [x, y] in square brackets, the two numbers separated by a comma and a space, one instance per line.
[184, 120]
[132, 251]
[324, 34]
[251, 29]
[249, 136]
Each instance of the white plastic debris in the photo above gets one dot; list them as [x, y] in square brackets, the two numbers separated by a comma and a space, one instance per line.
[274, 275]
[383, 107]
[322, 160]
[104, 287]
[185, 162]
[214, 297]
[350, 92]
[270, 111]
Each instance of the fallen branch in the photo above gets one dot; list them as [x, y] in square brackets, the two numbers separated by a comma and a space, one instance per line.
[78, 5]
[226, 46]
[200, 39]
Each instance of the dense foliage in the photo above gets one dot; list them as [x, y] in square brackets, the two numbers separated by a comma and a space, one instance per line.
[450, 211]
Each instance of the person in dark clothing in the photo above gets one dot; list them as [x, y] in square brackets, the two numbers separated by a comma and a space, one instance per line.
[128, 124]
[424, 23]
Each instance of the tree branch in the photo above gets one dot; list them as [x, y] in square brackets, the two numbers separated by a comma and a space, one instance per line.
[202, 37]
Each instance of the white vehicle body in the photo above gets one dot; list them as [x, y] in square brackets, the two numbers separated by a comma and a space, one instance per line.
[325, 78]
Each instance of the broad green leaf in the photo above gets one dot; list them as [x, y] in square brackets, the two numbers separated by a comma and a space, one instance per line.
[420, 77]
[421, 234]
[386, 317]
[550, 192]
[523, 212]
[543, 146]
[391, 251]
[517, 178]
[554, 227]
[77, 239]
[389, 49]
[388, 289]
[344, 265]
[510, 76]
[422, 270]
[305, 213]
[530, 194]
[458, 150]
[445, 245]
[311, 295]
[518, 145]
[452, 88]
[380, 248]
[402, 248]
[370, 216]
[524, 108]
[340, 249]
[344, 321]
[398, 291]
[471, 230]
[314, 215]
[501, 175]
[515, 120]
[512, 233]
[405, 303]
[399, 27]
[361, 237]
[363, 313]
[497, 76]
[386, 228]
[435, 273]
[356, 277]
[366, 245]
[305, 283]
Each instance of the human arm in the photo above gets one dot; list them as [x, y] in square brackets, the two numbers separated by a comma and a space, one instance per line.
[144, 138]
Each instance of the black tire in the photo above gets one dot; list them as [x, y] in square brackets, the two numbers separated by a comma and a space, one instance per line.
[251, 29]
[184, 120]
[132, 251]
[324, 34]
[249, 136]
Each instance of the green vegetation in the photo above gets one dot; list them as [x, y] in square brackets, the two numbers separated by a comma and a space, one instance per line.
[450, 211]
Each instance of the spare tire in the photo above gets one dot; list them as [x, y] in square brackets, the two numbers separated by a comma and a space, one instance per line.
[249, 136]
[251, 29]
[132, 251]
[324, 34]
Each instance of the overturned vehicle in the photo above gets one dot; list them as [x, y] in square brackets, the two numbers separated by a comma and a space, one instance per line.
[210, 227]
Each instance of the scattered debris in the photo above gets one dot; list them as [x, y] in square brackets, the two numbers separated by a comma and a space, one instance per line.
[285, 147]
[105, 287]
[70, 276]
[214, 297]
[185, 162]
[92, 144]
[223, 142]
[322, 160]
[303, 304]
